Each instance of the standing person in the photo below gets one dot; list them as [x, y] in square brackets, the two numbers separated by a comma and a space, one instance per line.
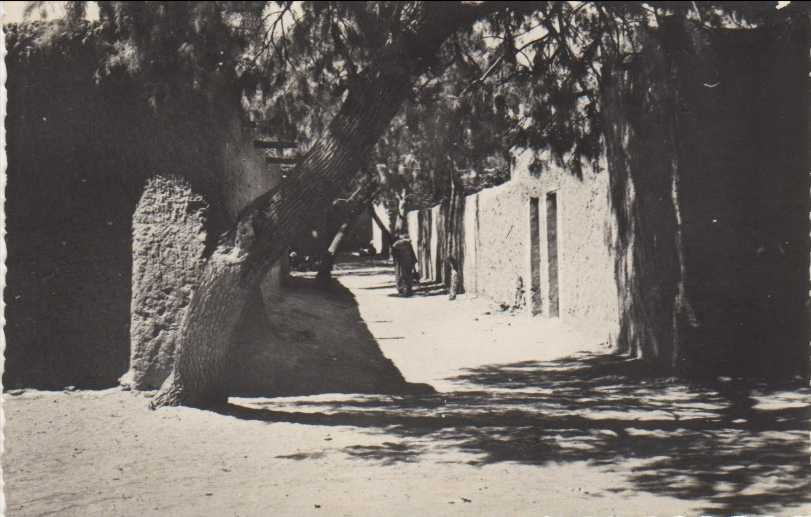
[453, 288]
[520, 299]
[404, 262]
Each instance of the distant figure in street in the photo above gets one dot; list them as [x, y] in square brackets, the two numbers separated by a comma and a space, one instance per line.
[520, 299]
[453, 271]
[404, 262]
[368, 250]
[293, 259]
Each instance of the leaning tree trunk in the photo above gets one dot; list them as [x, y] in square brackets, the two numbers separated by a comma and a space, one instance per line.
[328, 258]
[388, 238]
[348, 213]
[268, 225]
[263, 230]
[455, 227]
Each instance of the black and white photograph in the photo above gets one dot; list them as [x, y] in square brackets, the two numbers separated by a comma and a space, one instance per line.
[406, 258]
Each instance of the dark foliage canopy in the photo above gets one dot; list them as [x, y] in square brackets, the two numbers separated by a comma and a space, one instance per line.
[528, 75]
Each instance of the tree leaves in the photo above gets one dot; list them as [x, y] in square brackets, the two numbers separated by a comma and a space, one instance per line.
[529, 77]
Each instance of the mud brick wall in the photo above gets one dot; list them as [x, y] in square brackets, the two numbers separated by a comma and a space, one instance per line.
[79, 154]
[497, 241]
[111, 207]
[168, 242]
[587, 293]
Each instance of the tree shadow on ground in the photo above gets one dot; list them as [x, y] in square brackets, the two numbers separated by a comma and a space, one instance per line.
[387, 285]
[363, 272]
[365, 266]
[421, 289]
[426, 289]
[387, 453]
[360, 266]
[310, 338]
[737, 447]
[348, 265]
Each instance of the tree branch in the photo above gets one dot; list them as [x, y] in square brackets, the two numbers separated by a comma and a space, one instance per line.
[498, 61]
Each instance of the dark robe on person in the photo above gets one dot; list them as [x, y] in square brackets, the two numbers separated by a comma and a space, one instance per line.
[404, 262]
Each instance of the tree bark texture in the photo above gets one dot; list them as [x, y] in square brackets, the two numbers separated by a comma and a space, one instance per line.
[347, 212]
[424, 244]
[269, 224]
[451, 225]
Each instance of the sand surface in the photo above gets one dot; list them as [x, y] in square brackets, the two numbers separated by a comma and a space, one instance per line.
[530, 419]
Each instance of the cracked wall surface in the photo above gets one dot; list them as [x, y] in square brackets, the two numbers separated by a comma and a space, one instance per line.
[168, 242]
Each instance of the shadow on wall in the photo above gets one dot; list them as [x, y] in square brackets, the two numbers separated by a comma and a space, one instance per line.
[738, 448]
[78, 155]
[309, 340]
[710, 193]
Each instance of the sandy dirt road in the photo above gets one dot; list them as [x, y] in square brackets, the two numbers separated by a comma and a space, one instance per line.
[529, 419]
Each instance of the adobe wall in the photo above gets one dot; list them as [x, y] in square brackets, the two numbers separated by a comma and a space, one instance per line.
[169, 237]
[413, 226]
[79, 153]
[433, 245]
[170, 232]
[497, 245]
[246, 175]
[503, 230]
[472, 243]
[587, 289]
[110, 208]
[377, 234]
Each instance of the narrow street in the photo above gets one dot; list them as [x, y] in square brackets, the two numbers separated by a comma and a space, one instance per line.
[529, 419]
[433, 340]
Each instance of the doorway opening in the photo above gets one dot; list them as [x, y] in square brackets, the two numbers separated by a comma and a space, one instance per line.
[535, 254]
[552, 252]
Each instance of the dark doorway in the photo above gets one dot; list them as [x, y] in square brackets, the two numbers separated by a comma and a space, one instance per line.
[552, 249]
[535, 253]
